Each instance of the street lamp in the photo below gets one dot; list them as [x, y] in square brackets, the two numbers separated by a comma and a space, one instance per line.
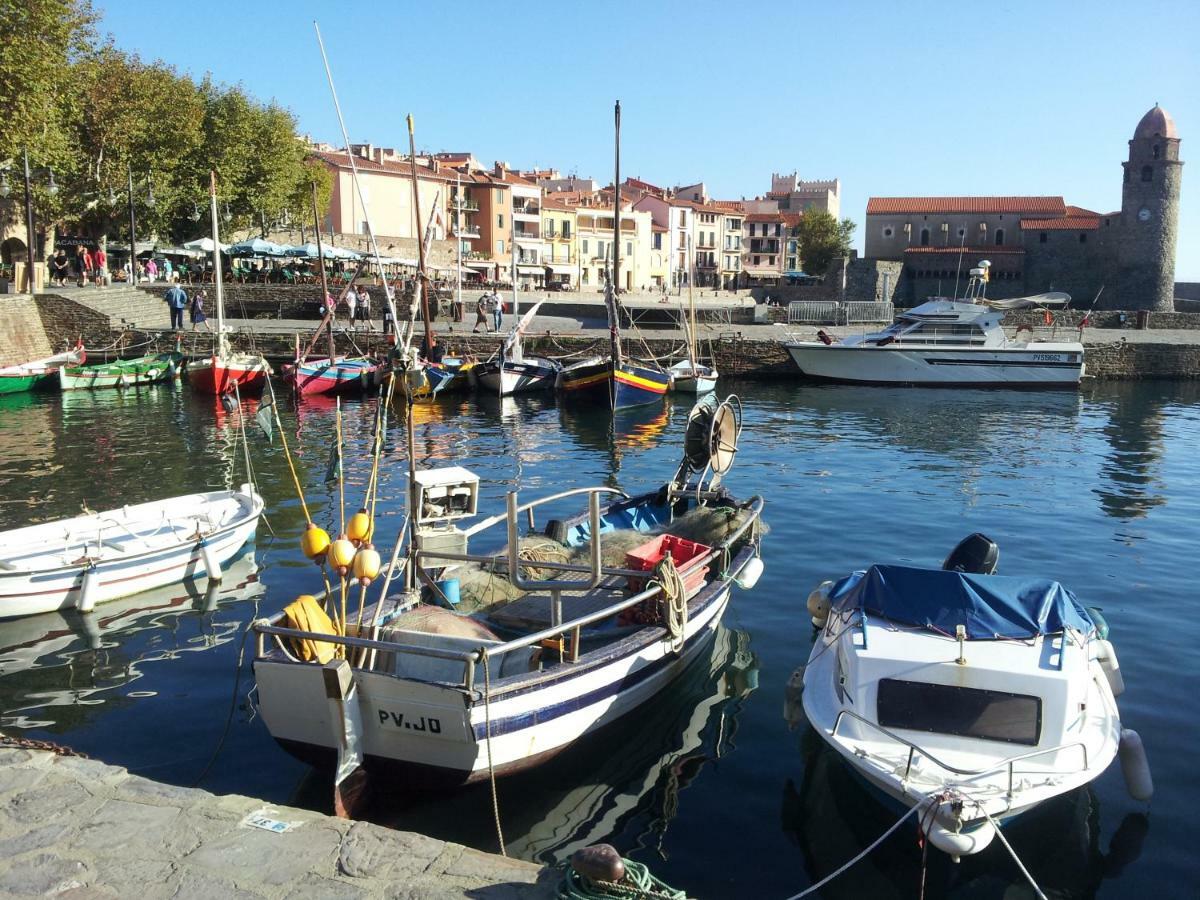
[6, 190]
[150, 202]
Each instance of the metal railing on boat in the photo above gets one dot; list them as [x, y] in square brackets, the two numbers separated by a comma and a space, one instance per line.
[972, 773]
[469, 658]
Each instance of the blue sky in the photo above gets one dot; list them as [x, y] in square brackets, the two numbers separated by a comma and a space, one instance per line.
[1009, 97]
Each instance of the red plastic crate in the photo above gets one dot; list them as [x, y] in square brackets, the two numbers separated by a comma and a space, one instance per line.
[651, 553]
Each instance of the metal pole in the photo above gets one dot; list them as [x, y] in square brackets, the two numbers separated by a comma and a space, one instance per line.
[458, 205]
[324, 281]
[132, 232]
[29, 237]
[219, 347]
[617, 203]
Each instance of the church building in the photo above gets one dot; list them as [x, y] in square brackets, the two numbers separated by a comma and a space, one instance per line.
[1038, 244]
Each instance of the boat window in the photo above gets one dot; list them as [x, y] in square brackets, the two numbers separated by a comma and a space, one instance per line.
[967, 712]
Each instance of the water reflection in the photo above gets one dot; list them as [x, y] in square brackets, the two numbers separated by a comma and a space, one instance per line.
[72, 661]
[1131, 470]
[622, 785]
[620, 436]
[833, 816]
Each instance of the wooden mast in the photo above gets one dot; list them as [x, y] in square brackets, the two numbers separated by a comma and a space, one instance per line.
[219, 350]
[325, 298]
[614, 323]
[420, 282]
[691, 335]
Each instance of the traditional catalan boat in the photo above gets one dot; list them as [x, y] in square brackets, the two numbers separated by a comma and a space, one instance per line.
[153, 368]
[100, 556]
[625, 382]
[512, 372]
[490, 661]
[225, 371]
[689, 375]
[964, 696]
[28, 376]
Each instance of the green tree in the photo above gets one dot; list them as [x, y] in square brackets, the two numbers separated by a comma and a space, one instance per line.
[822, 239]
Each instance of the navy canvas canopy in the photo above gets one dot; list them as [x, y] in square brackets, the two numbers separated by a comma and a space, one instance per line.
[990, 606]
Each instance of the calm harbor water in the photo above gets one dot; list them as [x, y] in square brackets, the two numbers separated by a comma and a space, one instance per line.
[709, 785]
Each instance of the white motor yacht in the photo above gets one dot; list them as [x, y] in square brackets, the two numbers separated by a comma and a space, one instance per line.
[969, 697]
[948, 342]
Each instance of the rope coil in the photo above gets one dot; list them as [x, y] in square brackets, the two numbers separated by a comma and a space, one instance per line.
[638, 884]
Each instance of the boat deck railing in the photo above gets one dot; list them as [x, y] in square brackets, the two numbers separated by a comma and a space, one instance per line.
[1007, 763]
[558, 628]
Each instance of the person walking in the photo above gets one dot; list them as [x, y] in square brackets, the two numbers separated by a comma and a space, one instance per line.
[152, 270]
[176, 299]
[59, 267]
[168, 271]
[85, 266]
[497, 306]
[364, 307]
[100, 262]
[351, 304]
[481, 311]
[196, 310]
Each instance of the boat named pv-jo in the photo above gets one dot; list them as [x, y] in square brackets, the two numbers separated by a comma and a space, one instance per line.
[948, 342]
[490, 661]
[964, 696]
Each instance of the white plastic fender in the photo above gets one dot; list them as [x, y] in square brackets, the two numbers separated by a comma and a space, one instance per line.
[751, 572]
[946, 839]
[1106, 655]
[86, 601]
[212, 565]
[818, 603]
[1134, 766]
[793, 699]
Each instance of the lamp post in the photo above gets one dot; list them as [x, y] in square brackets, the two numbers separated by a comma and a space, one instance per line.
[5, 191]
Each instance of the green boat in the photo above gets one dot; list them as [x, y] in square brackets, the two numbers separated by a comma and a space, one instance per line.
[122, 373]
[30, 375]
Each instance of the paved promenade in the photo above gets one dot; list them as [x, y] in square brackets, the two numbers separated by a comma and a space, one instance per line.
[79, 829]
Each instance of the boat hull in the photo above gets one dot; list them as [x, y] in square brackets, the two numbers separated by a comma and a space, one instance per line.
[26, 592]
[441, 733]
[16, 384]
[129, 373]
[687, 378]
[216, 375]
[627, 385]
[507, 378]
[322, 376]
[1037, 365]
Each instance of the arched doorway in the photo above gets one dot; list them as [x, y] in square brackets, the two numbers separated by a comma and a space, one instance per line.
[12, 250]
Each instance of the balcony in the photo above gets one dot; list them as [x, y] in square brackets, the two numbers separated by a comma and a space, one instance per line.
[467, 231]
[457, 203]
[526, 235]
[527, 212]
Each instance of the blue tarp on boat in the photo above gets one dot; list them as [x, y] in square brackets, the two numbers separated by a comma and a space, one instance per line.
[990, 606]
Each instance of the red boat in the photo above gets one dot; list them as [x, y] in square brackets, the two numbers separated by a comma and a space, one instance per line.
[219, 374]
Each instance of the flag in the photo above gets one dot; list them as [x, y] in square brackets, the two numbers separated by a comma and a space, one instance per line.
[333, 471]
[263, 417]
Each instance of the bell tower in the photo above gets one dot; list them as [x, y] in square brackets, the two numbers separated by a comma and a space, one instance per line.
[1150, 215]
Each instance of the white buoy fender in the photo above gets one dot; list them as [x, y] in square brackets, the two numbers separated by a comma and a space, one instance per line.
[86, 601]
[818, 603]
[1106, 655]
[960, 843]
[793, 699]
[212, 565]
[751, 572]
[1134, 766]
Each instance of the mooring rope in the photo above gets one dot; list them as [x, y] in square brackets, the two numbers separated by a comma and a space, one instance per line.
[638, 884]
[487, 728]
[879, 840]
[1007, 846]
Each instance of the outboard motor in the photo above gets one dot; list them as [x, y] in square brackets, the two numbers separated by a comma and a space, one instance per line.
[977, 553]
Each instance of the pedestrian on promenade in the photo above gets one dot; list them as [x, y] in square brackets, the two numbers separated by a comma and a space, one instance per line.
[196, 309]
[59, 268]
[85, 266]
[168, 271]
[176, 299]
[497, 310]
[481, 311]
[364, 307]
[351, 304]
[100, 261]
[152, 270]
[389, 324]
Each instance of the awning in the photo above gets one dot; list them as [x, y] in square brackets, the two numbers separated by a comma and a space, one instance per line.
[562, 269]
[530, 267]
[479, 265]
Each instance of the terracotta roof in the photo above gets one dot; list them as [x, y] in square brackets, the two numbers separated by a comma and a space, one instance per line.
[1155, 123]
[765, 217]
[510, 177]
[728, 205]
[654, 226]
[548, 203]
[342, 160]
[894, 205]
[1063, 223]
[969, 251]
[791, 219]
[1080, 211]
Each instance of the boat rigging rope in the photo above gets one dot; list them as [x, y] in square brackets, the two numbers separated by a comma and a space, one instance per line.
[638, 884]
[879, 840]
[1007, 846]
[487, 728]
[288, 454]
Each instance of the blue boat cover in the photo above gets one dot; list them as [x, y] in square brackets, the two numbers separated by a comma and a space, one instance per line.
[990, 606]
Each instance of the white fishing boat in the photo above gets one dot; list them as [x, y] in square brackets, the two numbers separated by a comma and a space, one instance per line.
[690, 376]
[948, 342]
[100, 556]
[512, 372]
[522, 665]
[967, 697]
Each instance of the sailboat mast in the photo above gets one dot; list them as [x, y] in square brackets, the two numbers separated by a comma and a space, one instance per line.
[614, 316]
[691, 336]
[516, 300]
[324, 280]
[458, 205]
[420, 284]
[216, 238]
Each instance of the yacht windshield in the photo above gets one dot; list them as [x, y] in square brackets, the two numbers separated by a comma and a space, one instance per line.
[967, 712]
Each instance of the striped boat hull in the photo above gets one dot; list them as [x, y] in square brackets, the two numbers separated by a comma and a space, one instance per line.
[627, 385]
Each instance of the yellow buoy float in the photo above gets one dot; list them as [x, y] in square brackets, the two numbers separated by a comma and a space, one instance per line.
[360, 528]
[366, 564]
[314, 543]
[340, 555]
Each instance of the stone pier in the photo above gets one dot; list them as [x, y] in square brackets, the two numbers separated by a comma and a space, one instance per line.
[79, 829]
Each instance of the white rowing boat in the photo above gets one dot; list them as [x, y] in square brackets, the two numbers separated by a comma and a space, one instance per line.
[101, 556]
